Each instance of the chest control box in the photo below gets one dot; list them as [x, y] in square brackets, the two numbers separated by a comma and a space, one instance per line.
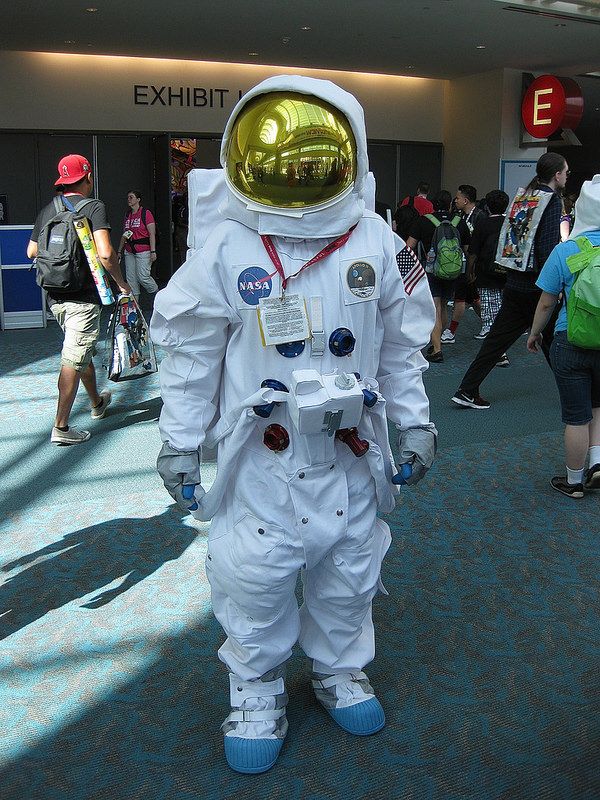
[324, 403]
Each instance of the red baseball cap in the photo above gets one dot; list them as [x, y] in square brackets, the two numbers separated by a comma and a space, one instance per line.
[71, 169]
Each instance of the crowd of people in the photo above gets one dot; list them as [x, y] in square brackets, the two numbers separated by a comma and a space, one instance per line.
[513, 302]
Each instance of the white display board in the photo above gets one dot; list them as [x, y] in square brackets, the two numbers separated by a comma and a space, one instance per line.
[515, 175]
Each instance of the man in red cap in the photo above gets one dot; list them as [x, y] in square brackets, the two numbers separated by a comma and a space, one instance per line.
[78, 311]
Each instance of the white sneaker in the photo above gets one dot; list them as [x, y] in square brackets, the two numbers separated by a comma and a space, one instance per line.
[72, 436]
[482, 333]
[99, 411]
[448, 337]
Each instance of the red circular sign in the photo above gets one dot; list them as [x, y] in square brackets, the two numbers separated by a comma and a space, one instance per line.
[551, 103]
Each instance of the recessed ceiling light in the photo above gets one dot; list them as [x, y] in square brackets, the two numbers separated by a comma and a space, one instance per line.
[91, 10]
[306, 28]
[286, 40]
[253, 53]
[69, 41]
[480, 47]
[411, 66]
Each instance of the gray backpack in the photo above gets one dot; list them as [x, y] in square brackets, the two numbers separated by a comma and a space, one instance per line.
[61, 263]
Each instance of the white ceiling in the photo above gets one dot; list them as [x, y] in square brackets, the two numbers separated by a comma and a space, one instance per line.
[429, 38]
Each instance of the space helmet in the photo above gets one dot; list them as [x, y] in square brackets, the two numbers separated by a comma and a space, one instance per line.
[587, 208]
[295, 149]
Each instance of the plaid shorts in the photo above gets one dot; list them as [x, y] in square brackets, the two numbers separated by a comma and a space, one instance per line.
[81, 325]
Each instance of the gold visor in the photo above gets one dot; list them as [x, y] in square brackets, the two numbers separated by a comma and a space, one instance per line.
[290, 150]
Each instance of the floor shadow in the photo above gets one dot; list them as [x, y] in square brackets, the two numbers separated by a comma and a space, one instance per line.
[86, 561]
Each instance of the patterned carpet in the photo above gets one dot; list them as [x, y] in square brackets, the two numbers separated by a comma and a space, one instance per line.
[488, 658]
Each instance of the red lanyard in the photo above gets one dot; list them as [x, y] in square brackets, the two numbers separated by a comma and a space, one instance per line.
[326, 251]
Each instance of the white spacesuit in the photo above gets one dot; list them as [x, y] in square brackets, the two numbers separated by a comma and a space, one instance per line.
[291, 364]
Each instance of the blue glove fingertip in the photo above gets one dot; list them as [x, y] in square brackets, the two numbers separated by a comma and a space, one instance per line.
[188, 494]
[401, 477]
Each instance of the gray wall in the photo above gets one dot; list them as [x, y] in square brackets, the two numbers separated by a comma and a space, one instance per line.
[398, 168]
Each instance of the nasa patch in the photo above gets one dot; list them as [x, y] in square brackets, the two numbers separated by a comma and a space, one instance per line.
[361, 279]
[254, 283]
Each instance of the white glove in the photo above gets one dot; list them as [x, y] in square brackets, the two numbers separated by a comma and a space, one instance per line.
[417, 446]
[178, 470]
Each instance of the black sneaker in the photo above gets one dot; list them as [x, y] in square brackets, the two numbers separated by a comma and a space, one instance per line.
[561, 485]
[463, 399]
[435, 358]
[592, 478]
[503, 361]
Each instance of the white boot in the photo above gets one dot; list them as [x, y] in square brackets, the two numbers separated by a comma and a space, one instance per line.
[257, 725]
[349, 699]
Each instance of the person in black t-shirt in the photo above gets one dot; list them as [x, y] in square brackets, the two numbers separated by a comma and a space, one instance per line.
[78, 313]
[465, 293]
[419, 240]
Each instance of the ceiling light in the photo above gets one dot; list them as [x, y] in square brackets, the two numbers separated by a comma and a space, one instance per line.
[306, 28]
[252, 54]
[69, 41]
[91, 10]
[480, 47]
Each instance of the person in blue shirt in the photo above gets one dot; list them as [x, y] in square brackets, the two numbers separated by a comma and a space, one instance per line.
[576, 370]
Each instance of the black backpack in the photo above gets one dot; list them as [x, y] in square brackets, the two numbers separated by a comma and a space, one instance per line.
[61, 262]
[405, 217]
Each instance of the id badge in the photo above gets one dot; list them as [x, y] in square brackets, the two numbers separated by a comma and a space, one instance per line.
[283, 320]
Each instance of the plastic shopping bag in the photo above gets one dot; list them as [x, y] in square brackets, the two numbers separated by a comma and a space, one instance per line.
[129, 350]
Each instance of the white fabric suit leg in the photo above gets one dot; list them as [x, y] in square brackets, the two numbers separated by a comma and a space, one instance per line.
[336, 620]
[252, 564]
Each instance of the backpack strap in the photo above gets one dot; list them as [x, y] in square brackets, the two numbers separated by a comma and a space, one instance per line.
[433, 219]
[83, 203]
[583, 258]
[68, 205]
[455, 220]
[411, 201]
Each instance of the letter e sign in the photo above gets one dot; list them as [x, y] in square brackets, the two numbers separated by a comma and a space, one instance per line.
[551, 103]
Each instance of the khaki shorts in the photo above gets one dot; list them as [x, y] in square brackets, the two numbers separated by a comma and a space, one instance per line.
[81, 325]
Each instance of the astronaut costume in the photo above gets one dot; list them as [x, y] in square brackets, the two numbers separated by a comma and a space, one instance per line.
[290, 337]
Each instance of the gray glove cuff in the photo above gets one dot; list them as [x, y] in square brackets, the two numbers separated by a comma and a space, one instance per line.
[179, 469]
[418, 447]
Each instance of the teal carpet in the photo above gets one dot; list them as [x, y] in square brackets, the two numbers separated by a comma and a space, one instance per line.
[488, 657]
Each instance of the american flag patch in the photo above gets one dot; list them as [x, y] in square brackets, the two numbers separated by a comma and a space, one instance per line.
[410, 268]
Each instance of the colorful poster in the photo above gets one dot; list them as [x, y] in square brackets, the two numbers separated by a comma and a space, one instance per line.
[515, 245]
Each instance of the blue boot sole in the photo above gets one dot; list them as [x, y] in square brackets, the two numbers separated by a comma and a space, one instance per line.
[251, 756]
[361, 719]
